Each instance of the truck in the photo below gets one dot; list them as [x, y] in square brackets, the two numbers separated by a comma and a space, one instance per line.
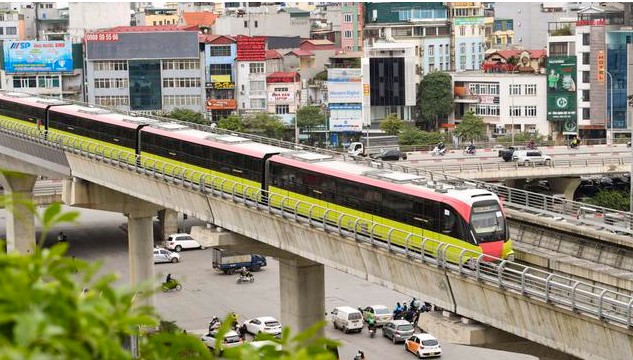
[373, 145]
[229, 262]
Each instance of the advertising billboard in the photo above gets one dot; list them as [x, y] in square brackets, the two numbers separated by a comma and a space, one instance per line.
[345, 92]
[346, 117]
[561, 88]
[344, 75]
[38, 56]
[251, 48]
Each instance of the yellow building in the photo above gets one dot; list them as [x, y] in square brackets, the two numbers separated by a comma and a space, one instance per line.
[163, 16]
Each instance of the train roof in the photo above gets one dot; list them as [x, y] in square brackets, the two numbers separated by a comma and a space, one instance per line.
[28, 99]
[459, 196]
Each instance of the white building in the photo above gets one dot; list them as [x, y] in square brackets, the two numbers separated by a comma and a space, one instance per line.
[89, 16]
[262, 24]
[504, 101]
[251, 87]
[389, 83]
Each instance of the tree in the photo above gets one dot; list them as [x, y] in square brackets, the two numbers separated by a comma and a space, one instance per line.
[188, 116]
[232, 122]
[611, 199]
[309, 117]
[391, 124]
[410, 135]
[471, 127]
[435, 99]
[270, 125]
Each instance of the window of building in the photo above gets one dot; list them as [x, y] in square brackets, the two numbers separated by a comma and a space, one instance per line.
[282, 109]
[515, 111]
[530, 89]
[585, 95]
[257, 87]
[462, 30]
[24, 82]
[1, 31]
[586, 113]
[462, 62]
[256, 67]
[402, 31]
[487, 110]
[558, 49]
[462, 48]
[256, 23]
[112, 101]
[110, 65]
[418, 31]
[431, 67]
[473, 58]
[220, 50]
[530, 111]
[446, 49]
[181, 64]
[585, 58]
[585, 39]
[585, 77]
[181, 82]
[181, 100]
[220, 69]
[483, 89]
[47, 81]
[246, 24]
[348, 34]
[431, 50]
[348, 18]
[258, 103]
[515, 89]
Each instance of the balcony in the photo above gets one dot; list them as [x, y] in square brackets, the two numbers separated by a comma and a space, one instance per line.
[462, 95]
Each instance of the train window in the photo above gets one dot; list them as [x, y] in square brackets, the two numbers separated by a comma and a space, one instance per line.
[372, 199]
[452, 224]
[348, 194]
[425, 214]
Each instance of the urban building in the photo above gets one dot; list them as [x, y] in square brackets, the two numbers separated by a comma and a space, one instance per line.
[251, 74]
[500, 35]
[91, 16]
[468, 35]
[284, 95]
[204, 20]
[220, 53]
[130, 68]
[49, 68]
[425, 25]
[271, 23]
[310, 58]
[351, 27]
[388, 69]
[508, 102]
[13, 26]
[150, 16]
[597, 43]
[274, 61]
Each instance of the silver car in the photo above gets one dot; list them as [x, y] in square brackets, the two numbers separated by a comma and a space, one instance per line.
[164, 255]
[527, 157]
[397, 330]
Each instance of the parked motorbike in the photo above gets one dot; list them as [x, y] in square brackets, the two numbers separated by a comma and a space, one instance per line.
[438, 152]
[245, 279]
[171, 285]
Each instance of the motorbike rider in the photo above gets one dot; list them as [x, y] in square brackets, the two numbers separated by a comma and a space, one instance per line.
[245, 273]
[371, 324]
[168, 279]
[360, 356]
[441, 146]
[214, 323]
[531, 145]
[470, 148]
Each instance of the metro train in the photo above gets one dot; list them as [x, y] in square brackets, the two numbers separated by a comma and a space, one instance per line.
[466, 217]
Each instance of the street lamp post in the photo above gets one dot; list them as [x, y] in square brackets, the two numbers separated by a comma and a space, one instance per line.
[610, 137]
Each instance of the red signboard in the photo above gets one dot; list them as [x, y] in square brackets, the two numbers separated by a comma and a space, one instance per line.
[102, 37]
[221, 104]
[601, 70]
[251, 48]
[594, 22]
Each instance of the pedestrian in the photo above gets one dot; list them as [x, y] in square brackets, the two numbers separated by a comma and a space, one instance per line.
[242, 332]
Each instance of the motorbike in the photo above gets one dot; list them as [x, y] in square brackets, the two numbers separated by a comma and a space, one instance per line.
[574, 145]
[214, 324]
[438, 152]
[470, 151]
[171, 285]
[360, 356]
[372, 332]
[245, 279]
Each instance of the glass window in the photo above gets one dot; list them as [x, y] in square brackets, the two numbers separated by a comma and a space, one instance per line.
[586, 113]
[515, 111]
[585, 39]
[282, 109]
[530, 89]
[515, 89]
[220, 69]
[258, 103]
[348, 18]
[258, 86]
[12, 30]
[585, 95]
[585, 58]
[256, 67]
[145, 85]
[432, 50]
[220, 50]
[585, 77]
[530, 111]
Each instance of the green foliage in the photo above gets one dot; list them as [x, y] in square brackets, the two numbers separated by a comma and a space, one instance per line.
[471, 127]
[232, 122]
[269, 125]
[188, 116]
[321, 76]
[391, 124]
[612, 199]
[563, 31]
[435, 98]
[309, 117]
[411, 135]
[521, 138]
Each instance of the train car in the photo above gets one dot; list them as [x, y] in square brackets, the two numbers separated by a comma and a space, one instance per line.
[468, 218]
[27, 108]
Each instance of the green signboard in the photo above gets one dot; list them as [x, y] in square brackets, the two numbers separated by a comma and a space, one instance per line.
[561, 89]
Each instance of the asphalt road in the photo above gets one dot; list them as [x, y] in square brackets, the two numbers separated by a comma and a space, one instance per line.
[102, 236]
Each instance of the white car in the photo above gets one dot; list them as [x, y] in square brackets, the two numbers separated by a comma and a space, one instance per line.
[527, 157]
[164, 255]
[178, 242]
[231, 339]
[423, 345]
[264, 324]
[380, 313]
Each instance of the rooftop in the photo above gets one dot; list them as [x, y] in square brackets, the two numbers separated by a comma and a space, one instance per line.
[122, 29]
[300, 53]
[273, 54]
[200, 18]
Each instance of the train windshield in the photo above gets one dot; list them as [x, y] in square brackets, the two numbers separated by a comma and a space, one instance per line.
[487, 221]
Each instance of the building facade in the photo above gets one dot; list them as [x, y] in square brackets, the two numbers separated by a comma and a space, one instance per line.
[251, 74]
[352, 23]
[468, 35]
[130, 68]
[220, 53]
[284, 95]
[507, 102]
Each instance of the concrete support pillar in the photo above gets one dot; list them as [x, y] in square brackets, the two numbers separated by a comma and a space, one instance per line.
[565, 185]
[20, 218]
[140, 247]
[170, 224]
[302, 287]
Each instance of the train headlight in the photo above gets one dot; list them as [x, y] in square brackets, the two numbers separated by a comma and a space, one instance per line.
[511, 257]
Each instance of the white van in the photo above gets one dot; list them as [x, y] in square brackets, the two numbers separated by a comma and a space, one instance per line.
[347, 319]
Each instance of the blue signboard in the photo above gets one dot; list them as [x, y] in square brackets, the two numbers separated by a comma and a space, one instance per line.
[38, 56]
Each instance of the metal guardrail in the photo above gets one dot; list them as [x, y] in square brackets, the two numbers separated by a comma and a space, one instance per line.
[484, 166]
[586, 299]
